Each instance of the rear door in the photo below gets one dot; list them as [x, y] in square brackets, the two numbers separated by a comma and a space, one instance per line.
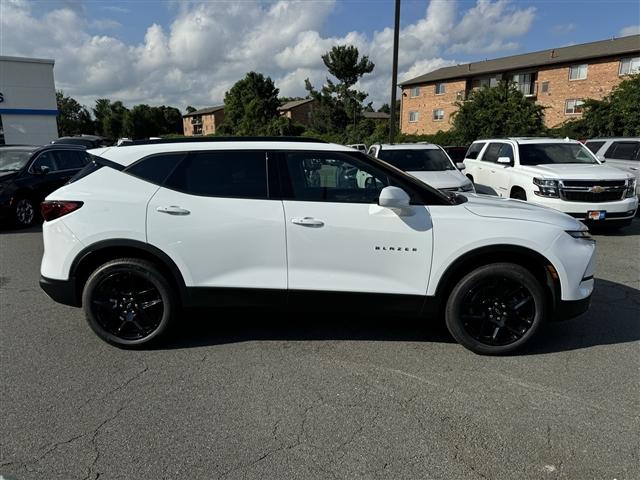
[214, 218]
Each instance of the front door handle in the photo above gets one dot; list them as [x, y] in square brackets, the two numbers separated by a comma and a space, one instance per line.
[633, 168]
[173, 210]
[308, 222]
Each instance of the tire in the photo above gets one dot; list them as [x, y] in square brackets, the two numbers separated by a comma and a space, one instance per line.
[496, 309]
[519, 195]
[128, 302]
[25, 212]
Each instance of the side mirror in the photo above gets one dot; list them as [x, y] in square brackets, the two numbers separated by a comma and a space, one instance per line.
[505, 161]
[42, 170]
[460, 166]
[396, 199]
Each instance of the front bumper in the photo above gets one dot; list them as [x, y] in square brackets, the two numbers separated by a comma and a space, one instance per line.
[618, 210]
[61, 291]
[566, 309]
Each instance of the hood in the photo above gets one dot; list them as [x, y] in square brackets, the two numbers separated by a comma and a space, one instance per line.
[576, 171]
[494, 207]
[6, 176]
[442, 179]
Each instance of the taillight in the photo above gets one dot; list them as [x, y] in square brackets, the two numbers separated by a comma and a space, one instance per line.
[52, 209]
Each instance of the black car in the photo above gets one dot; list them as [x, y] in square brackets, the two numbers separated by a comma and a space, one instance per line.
[456, 154]
[28, 174]
[87, 141]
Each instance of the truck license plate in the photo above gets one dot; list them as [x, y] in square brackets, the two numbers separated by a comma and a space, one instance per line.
[596, 214]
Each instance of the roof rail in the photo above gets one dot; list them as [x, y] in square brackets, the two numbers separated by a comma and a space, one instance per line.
[222, 139]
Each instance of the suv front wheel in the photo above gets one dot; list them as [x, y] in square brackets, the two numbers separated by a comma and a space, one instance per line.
[128, 302]
[496, 308]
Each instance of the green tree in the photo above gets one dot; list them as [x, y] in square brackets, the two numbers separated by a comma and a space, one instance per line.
[73, 118]
[497, 112]
[190, 109]
[250, 105]
[109, 118]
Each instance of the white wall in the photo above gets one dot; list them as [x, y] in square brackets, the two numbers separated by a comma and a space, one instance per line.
[27, 85]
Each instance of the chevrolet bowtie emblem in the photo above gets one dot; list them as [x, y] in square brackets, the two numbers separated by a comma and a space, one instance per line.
[596, 189]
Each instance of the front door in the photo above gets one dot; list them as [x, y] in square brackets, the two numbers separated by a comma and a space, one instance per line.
[214, 218]
[340, 240]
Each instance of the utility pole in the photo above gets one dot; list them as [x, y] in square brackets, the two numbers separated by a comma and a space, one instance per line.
[394, 74]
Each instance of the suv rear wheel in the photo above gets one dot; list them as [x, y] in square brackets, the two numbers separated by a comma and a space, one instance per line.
[496, 308]
[24, 212]
[128, 302]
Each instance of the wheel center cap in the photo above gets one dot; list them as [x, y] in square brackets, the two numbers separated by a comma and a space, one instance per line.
[130, 316]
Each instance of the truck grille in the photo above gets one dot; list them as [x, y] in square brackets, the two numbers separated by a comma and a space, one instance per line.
[592, 191]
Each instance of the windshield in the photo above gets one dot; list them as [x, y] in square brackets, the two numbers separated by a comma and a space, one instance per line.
[548, 153]
[12, 159]
[410, 160]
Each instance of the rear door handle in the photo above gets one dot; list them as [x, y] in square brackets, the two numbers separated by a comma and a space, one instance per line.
[173, 210]
[308, 222]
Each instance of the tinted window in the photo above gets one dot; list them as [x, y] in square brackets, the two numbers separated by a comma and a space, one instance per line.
[155, 169]
[474, 150]
[45, 159]
[622, 150]
[545, 153]
[412, 160]
[69, 159]
[594, 146]
[492, 152]
[222, 174]
[506, 151]
[332, 177]
[456, 153]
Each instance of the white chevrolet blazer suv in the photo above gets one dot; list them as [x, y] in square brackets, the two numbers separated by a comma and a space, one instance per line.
[560, 174]
[151, 227]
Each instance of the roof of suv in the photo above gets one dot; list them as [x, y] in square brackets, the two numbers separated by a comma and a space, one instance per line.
[408, 146]
[615, 139]
[528, 140]
[131, 153]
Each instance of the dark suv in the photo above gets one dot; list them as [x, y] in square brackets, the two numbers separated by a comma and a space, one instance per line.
[28, 174]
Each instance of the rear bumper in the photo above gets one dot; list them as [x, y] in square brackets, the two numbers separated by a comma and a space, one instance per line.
[566, 309]
[61, 291]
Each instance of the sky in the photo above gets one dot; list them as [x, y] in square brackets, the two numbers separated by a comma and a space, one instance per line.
[191, 52]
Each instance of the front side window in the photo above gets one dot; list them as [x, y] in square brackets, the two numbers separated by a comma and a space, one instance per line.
[240, 174]
[572, 107]
[629, 66]
[415, 92]
[438, 114]
[554, 153]
[440, 88]
[492, 152]
[578, 72]
[413, 116]
[506, 151]
[622, 150]
[414, 160]
[474, 151]
[594, 146]
[45, 159]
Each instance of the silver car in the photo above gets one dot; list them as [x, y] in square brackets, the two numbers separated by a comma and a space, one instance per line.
[622, 153]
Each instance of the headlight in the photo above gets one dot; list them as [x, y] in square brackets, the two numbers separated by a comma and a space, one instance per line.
[631, 187]
[547, 188]
[467, 187]
[581, 234]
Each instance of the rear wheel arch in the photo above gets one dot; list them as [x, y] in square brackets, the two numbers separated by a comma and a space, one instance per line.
[533, 261]
[104, 251]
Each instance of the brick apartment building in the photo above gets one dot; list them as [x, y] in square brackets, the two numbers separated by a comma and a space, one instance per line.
[203, 122]
[559, 79]
[298, 110]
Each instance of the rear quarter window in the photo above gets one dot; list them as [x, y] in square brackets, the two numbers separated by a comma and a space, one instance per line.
[156, 168]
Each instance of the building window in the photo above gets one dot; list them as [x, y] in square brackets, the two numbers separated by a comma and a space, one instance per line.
[438, 114]
[629, 66]
[415, 92]
[572, 107]
[578, 72]
[440, 88]
[197, 129]
[413, 116]
[545, 87]
[525, 82]
[489, 82]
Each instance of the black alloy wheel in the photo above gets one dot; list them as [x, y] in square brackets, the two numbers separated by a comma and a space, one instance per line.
[128, 302]
[496, 308]
[24, 212]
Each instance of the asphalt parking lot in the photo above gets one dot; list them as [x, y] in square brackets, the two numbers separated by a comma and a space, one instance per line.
[304, 398]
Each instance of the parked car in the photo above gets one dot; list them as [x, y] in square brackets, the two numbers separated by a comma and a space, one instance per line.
[358, 146]
[87, 141]
[28, 174]
[456, 153]
[156, 226]
[561, 174]
[622, 153]
[427, 162]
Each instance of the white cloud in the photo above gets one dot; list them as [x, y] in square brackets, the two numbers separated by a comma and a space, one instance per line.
[564, 28]
[630, 30]
[210, 45]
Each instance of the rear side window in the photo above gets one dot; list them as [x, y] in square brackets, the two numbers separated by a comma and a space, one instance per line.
[492, 153]
[155, 168]
[474, 151]
[594, 146]
[70, 159]
[241, 174]
[622, 150]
